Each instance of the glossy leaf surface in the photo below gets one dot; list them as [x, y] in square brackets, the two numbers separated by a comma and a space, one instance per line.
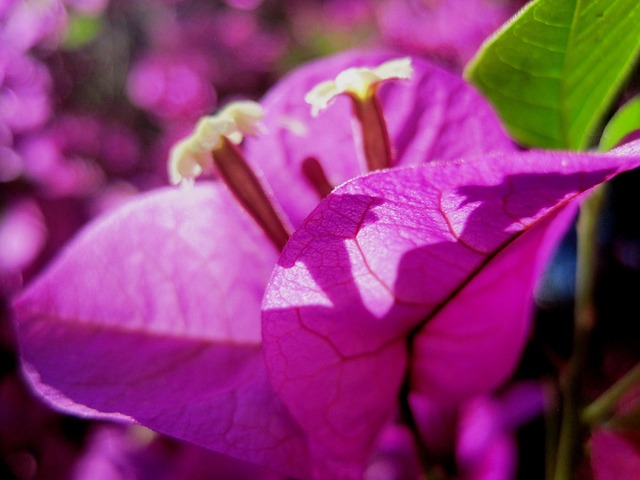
[623, 123]
[553, 71]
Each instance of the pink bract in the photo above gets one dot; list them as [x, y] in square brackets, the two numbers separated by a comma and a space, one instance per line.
[434, 116]
[163, 307]
[155, 294]
[421, 275]
[152, 314]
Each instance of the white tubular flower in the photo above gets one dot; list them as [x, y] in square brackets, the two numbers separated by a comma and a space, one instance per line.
[191, 156]
[399, 68]
[187, 161]
[357, 82]
[209, 131]
[247, 117]
[321, 95]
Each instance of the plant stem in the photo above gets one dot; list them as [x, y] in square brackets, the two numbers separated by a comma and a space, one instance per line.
[245, 185]
[603, 407]
[626, 421]
[552, 421]
[373, 128]
[584, 319]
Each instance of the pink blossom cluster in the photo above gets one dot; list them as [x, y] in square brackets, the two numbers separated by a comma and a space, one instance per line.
[391, 337]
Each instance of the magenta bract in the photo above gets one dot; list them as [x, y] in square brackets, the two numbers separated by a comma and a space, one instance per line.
[153, 314]
[420, 274]
[433, 116]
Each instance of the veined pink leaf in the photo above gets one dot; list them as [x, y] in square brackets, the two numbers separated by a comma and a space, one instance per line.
[153, 314]
[421, 273]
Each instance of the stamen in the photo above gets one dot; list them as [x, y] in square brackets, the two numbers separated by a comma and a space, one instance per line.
[375, 136]
[214, 142]
[246, 187]
[361, 85]
[314, 174]
[187, 161]
[357, 82]
[247, 117]
[191, 157]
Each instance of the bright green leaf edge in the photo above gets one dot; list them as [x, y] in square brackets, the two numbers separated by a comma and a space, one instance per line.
[625, 121]
[553, 71]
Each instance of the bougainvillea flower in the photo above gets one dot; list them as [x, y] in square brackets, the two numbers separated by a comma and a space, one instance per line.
[24, 92]
[432, 116]
[182, 274]
[25, 24]
[153, 314]
[171, 87]
[22, 236]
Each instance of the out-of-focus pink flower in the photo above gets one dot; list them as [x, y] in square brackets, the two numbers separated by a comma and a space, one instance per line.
[395, 456]
[11, 164]
[330, 15]
[135, 453]
[244, 4]
[486, 447]
[222, 35]
[451, 30]
[24, 92]
[72, 156]
[57, 175]
[175, 87]
[615, 454]
[22, 236]
[113, 145]
[24, 24]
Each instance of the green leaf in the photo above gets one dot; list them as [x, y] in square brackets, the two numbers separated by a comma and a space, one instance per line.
[625, 121]
[553, 71]
[81, 30]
